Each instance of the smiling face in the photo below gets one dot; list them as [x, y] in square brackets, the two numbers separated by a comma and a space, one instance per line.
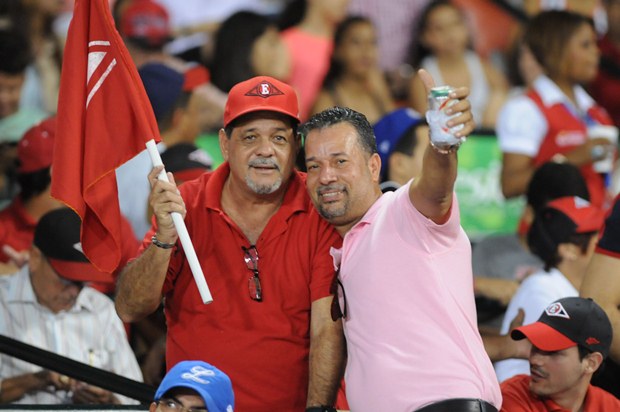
[342, 178]
[261, 152]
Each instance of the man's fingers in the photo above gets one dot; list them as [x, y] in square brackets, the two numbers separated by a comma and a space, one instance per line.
[427, 80]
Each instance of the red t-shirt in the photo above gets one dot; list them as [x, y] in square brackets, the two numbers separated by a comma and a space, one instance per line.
[262, 346]
[518, 398]
[16, 228]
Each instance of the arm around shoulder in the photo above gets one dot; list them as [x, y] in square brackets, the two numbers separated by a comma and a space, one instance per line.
[327, 354]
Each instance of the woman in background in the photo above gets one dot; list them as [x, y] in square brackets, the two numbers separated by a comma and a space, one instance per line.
[354, 78]
[247, 45]
[442, 48]
[551, 120]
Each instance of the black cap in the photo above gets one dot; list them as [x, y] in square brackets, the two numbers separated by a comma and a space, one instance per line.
[569, 322]
[57, 236]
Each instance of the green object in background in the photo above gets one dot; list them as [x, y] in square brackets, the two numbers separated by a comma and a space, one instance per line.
[210, 143]
[484, 211]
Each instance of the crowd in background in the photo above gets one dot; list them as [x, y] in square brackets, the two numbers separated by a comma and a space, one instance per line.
[533, 75]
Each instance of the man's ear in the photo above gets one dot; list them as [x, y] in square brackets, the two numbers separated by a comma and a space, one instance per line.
[569, 251]
[593, 361]
[36, 258]
[153, 407]
[374, 164]
[224, 141]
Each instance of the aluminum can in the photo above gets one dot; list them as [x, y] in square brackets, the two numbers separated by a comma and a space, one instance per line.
[438, 101]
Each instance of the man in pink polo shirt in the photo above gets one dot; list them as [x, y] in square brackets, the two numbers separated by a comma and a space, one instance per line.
[407, 294]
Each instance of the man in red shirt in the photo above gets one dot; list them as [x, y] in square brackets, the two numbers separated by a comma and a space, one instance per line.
[264, 251]
[18, 220]
[570, 340]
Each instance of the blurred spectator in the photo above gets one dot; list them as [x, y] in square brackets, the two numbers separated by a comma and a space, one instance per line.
[247, 45]
[501, 261]
[393, 25]
[570, 340]
[194, 22]
[49, 299]
[563, 236]
[43, 75]
[15, 56]
[310, 45]
[558, 110]
[605, 88]
[443, 48]
[177, 122]
[402, 137]
[196, 386]
[19, 219]
[186, 161]
[355, 79]
[144, 25]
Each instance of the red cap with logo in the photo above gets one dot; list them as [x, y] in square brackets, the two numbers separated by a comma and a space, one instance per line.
[35, 149]
[585, 216]
[261, 93]
[147, 20]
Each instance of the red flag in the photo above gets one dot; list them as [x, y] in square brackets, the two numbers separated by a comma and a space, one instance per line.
[104, 119]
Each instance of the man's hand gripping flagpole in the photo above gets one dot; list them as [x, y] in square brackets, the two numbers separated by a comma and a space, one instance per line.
[179, 225]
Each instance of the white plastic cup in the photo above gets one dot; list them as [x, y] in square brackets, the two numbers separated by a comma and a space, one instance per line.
[606, 164]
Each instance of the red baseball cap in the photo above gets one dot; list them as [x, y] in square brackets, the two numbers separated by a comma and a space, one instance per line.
[585, 216]
[35, 149]
[145, 19]
[262, 93]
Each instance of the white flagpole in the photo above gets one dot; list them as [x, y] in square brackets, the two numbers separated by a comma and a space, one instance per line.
[179, 224]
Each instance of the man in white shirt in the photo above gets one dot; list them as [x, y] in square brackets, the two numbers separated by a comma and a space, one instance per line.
[47, 304]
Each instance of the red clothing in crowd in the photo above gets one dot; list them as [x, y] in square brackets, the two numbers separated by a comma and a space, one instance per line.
[518, 398]
[16, 228]
[262, 346]
[566, 132]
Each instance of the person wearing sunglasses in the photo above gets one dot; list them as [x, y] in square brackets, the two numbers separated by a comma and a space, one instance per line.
[405, 265]
[194, 386]
[265, 255]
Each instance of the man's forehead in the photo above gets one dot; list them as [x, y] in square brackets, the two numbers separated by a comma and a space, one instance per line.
[250, 120]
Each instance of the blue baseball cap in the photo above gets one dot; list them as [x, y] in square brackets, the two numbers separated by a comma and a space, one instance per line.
[391, 128]
[163, 86]
[212, 384]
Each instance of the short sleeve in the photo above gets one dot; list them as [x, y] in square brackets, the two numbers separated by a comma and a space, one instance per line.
[516, 135]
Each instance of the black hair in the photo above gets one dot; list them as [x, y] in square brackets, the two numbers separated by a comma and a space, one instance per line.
[417, 51]
[233, 47]
[15, 52]
[335, 115]
[549, 229]
[547, 35]
[181, 103]
[406, 144]
[33, 183]
[336, 67]
[554, 180]
[292, 14]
